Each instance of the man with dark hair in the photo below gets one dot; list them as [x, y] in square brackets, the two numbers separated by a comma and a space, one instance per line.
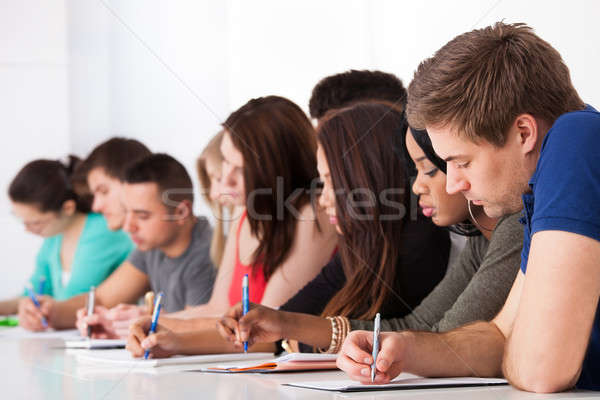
[343, 89]
[172, 252]
[104, 168]
[501, 110]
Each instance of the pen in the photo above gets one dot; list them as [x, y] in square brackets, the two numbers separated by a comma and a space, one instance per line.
[90, 308]
[41, 285]
[245, 303]
[29, 290]
[155, 315]
[375, 345]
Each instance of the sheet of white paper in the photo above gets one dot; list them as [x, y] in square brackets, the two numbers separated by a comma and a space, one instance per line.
[85, 343]
[20, 333]
[310, 357]
[398, 384]
[123, 357]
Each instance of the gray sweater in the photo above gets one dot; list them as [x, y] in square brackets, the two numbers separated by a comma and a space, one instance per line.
[474, 288]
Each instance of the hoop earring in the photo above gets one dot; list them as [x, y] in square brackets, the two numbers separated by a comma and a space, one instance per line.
[475, 219]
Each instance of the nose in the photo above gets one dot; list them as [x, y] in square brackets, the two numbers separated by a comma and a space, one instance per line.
[455, 181]
[97, 204]
[128, 225]
[418, 187]
[326, 198]
[227, 178]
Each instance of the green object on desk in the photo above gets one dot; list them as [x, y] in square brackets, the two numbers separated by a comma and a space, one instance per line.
[9, 322]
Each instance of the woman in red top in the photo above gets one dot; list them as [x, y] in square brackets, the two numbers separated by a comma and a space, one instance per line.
[280, 239]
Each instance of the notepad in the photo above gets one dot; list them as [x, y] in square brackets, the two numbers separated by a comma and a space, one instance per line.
[120, 357]
[85, 343]
[289, 362]
[399, 384]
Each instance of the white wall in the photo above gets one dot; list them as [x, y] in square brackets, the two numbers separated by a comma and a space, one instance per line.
[76, 72]
[34, 119]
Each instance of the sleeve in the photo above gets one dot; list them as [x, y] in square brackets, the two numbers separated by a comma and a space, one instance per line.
[315, 295]
[100, 252]
[199, 279]
[138, 260]
[42, 270]
[567, 185]
[473, 288]
[486, 292]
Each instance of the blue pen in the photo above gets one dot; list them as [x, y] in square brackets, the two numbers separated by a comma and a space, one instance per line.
[41, 285]
[155, 314]
[376, 329]
[29, 290]
[245, 303]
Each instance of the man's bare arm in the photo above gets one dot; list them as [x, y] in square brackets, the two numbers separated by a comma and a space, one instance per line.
[547, 346]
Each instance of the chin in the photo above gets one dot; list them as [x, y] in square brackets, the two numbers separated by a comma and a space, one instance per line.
[114, 225]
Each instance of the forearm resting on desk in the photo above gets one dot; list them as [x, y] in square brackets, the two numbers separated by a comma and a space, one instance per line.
[473, 350]
[308, 329]
[9, 307]
[63, 314]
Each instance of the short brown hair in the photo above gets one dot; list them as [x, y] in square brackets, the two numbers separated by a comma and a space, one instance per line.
[278, 144]
[168, 174]
[480, 81]
[113, 156]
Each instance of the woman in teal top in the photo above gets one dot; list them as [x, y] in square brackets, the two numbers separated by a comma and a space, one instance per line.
[98, 253]
[79, 251]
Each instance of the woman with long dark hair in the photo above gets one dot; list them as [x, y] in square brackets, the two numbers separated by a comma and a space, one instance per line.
[389, 259]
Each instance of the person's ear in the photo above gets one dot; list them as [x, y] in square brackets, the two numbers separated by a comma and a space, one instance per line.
[527, 131]
[69, 207]
[182, 211]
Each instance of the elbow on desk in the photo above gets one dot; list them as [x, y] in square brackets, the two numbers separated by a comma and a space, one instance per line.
[541, 378]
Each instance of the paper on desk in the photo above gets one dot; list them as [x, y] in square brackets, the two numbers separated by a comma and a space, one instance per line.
[123, 357]
[289, 362]
[21, 333]
[85, 343]
[399, 384]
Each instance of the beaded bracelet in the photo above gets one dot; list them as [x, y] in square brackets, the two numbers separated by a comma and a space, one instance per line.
[340, 326]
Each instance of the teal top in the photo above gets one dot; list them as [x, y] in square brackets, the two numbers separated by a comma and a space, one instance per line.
[99, 252]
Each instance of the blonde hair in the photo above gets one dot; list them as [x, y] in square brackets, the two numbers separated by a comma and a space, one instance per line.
[212, 152]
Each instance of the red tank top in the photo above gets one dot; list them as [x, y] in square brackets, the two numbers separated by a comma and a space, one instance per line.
[256, 278]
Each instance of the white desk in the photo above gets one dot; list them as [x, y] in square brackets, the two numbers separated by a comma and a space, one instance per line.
[38, 369]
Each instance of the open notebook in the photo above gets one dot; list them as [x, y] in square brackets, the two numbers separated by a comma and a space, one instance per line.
[121, 357]
[289, 362]
[399, 384]
[85, 343]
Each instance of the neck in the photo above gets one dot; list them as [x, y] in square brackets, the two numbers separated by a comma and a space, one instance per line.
[483, 222]
[181, 241]
[73, 224]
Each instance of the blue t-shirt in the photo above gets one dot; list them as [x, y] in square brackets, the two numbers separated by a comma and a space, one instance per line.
[566, 194]
[99, 252]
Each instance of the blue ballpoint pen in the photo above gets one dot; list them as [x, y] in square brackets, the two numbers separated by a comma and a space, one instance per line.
[41, 286]
[155, 314]
[29, 290]
[375, 345]
[245, 303]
